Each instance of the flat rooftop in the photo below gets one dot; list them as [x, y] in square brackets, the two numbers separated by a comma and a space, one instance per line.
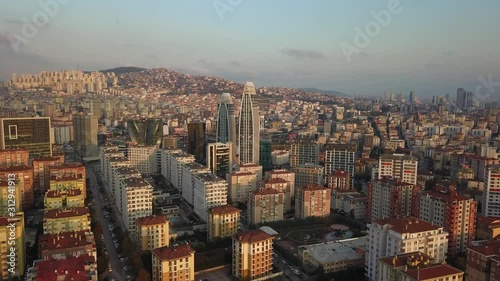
[331, 252]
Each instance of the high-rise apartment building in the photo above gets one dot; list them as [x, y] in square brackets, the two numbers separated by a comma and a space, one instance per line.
[197, 140]
[61, 199]
[219, 158]
[146, 159]
[304, 152]
[483, 261]
[14, 157]
[457, 214]
[173, 263]
[490, 201]
[286, 175]
[13, 250]
[67, 170]
[340, 157]
[312, 201]
[249, 127]
[41, 171]
[226, 123]
[85, 131]
[223, 221]
[31, 133]
[147, 131]
[153, 232]
[137, 202]
[265, 205]
[399, 166]
[338, 180]
[398, 236]
[23, 177]
[280, 185]
[308, 174]
[64, 220]
[209, 191]
[188, 171]
[391, 198]
[252, 255]
[240, 184]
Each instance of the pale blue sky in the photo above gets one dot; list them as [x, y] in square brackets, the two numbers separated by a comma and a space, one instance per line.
[432, 47]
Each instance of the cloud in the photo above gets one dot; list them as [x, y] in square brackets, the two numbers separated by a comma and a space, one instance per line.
[302, 53]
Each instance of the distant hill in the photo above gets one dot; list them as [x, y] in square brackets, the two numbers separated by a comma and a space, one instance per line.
[123, 69]
[331, 93]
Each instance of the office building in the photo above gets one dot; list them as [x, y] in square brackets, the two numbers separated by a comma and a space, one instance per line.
[226, 123]
[240, 184]
[173, 263]
[85, 129]
[137, 196]
[64, 220]
[490, 201]
[398, 166]
[252, 255]
[461, 98]
[391, 198]
[265, 205]
[457, 214]
[219, 158]
[308, 174]
[153, 232]
[304, 152]
[265, 157]
[312, 201]
[12, 240]
[249, 127]
[197, 140]
[223, 221]
[148, 131]
[398, 236]
[14, 157]
[413, 97]
[31, 133]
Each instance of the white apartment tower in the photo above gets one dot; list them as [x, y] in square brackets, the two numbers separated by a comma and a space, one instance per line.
[490, 202]
[399, 166]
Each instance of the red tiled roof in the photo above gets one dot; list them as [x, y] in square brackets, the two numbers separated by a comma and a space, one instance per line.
[488, 248]
[71, 268]
[222, 210]
[15, 168]
[407, 225]
[63, 240]
[65, 213]
[490, 221]
[152, 220]
[172, 253]
[252, 236]
[60, 193]
[265, 191]
[440, 270]
[340, 173]
[313, 187]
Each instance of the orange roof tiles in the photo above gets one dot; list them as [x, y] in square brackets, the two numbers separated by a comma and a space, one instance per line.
[222, 210]
[252, 236]
[173, 253]
[407, 225]
[152, 220]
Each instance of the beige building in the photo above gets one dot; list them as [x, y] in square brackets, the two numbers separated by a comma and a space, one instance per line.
[85, 129]
[173, 263]
[286, 175]
[265, 205]
[308, 174]
[209, 191]
[13, 243]
[240, 185]
[312, 201]
[252, 255]
[153, 232]
[252, 168]
[59, 199]
[280, 185]
[223, 221]
[64, 220]
[398, 236]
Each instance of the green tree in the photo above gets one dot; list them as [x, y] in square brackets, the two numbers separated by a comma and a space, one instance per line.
[143, 275]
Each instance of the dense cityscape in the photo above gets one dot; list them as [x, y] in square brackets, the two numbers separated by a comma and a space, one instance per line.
[151, 174]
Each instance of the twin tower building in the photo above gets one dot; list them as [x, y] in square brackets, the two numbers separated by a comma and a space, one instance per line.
[246, 139]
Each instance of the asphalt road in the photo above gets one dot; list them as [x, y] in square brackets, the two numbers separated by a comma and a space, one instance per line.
[117, 269]
[287, 272]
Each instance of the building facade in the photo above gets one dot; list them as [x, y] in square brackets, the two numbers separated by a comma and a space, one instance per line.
[252, 255]
[249, 127]
[312, 201]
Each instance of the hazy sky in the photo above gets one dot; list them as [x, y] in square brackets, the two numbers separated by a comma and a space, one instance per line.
[432, 47]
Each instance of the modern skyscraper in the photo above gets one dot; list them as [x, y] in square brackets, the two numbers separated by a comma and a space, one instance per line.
[413, 97]
[146, 131]
[265, 155]
[249, 127]
[226, 122]
[196, 140]
[85, 131]
[219, 158]
[32, 133]
[461, 98]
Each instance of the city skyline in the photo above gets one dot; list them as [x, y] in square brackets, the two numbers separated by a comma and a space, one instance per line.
[302, 42]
